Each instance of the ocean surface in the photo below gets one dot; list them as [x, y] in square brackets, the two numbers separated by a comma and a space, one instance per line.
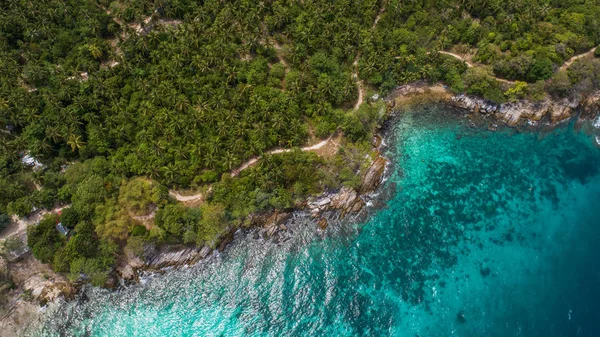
[477, 233]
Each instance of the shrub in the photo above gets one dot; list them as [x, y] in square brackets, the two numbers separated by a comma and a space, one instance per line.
[4, 221]
[44, 240]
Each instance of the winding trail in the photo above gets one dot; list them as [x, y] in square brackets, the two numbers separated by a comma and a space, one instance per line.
[187, 198]
[359, 83]
[570, 61]
[456, 56]
[565, 65]
[253, 161]
[144, 218]
[200, 196]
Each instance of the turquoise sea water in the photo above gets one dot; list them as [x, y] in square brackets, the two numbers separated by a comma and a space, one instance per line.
[480, 234]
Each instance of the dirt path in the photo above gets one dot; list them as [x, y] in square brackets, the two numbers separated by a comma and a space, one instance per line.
[381, 10]
[200, 196]
[253, 161]
[143, 218]
[359, 83]
[18, 226]
[185, 198]
[570, 61]
[462, 58]
[565, 65]
[471, 65]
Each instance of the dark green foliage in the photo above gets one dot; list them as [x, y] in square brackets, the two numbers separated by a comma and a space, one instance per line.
[177, 219]
[4, 221]
[584, 75]
[139, 231]
[277, 181]
[85, 254]
[187, 104]
[353, 128]
[541, 69]
[140, 195]
[44, 240]
[479, 81]
[69, 217]
[559, 85]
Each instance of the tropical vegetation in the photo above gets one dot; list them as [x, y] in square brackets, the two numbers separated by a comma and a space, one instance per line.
[121, 100]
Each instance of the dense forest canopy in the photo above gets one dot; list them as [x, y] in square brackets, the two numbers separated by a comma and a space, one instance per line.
[179, 92]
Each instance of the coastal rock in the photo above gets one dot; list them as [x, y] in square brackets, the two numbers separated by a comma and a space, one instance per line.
[561, 110]
[322, 223]
[204, 252]
[592, 104]
[127, 273]
[155, 260]
[226, 240]
[347, 200]
[377, 140]
[271, 223]
[372, 177]
[176, 257]
[514, 113]
[56, 290]
[344, 199]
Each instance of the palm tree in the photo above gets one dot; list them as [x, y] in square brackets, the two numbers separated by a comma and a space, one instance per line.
[75, 142]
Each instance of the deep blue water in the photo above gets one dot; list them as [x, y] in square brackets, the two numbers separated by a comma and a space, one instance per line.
[481, 234]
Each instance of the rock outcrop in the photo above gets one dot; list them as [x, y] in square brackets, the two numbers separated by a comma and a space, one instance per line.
[323, 223]
[524, 111]
[348, 200]
[130, 268]
[373, 176]
[592, 103]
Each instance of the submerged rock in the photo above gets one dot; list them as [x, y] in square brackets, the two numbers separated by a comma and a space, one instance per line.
[322, 223]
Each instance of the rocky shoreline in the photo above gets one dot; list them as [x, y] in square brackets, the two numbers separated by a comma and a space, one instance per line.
[549, 111]
[271, 225]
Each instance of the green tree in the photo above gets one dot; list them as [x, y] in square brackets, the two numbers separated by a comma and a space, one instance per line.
[44, 240]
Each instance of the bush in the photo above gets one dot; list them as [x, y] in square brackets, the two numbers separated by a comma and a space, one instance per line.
[139, 195]
[479, 81]
[518, 91]
[4, 221]
[559, 84]
[139, 230]
[69, 217]
[541, 69]
[177, 219]
[20, 207]
[44, 240]
[353, 128]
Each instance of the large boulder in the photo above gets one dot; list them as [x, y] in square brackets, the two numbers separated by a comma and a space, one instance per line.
[347, 200]
[373, 176]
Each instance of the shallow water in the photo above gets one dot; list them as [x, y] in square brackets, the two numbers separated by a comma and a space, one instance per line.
[483, 234]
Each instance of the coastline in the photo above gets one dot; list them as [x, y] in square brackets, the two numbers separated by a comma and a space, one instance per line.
[346, 201]
[548, 112]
